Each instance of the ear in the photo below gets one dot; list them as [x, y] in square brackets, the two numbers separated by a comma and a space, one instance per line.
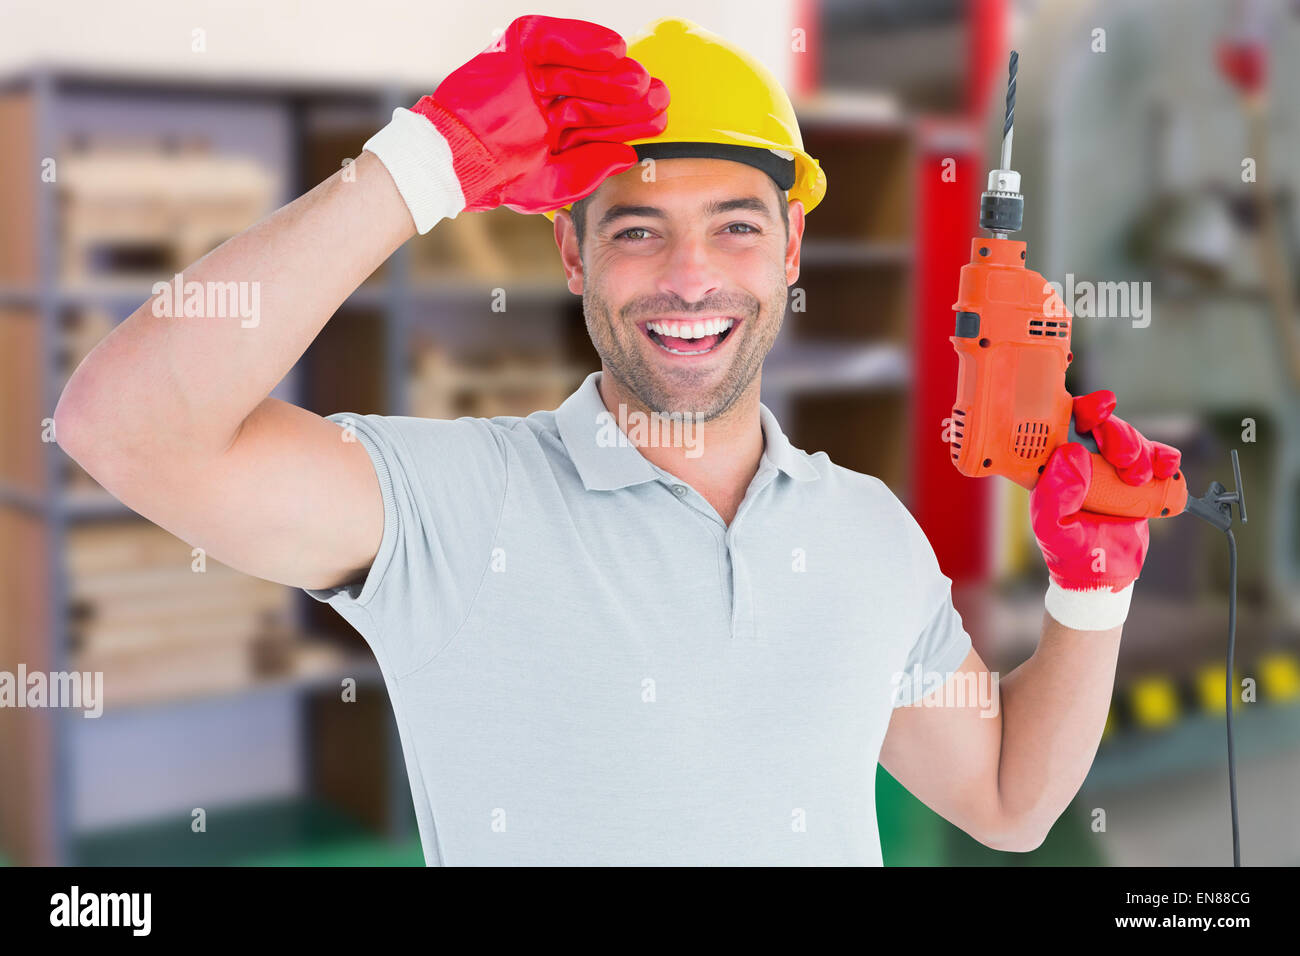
[795, 244]
[566, 238]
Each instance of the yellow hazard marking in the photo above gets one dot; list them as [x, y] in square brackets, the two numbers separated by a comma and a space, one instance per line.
[1209, 688]
[1279, 676]
[1155, 702]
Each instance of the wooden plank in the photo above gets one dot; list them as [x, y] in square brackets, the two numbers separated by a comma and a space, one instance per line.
[169, 672]
[21, 410]
[26, 735]
[104, 638]
[171, 579]
[20, 187]
[176, 204]
[107, 546]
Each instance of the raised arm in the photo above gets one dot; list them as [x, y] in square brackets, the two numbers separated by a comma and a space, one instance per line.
[171, 412]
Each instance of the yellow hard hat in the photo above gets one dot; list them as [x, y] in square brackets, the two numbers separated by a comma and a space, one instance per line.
[724, 104]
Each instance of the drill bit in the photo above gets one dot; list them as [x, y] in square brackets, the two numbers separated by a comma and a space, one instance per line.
[1008, 130]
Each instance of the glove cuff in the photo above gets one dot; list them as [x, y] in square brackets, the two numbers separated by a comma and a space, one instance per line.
[1098, 609]
[476, 169]
[419, 159]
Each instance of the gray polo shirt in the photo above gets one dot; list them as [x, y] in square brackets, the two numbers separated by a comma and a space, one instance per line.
[588, 666]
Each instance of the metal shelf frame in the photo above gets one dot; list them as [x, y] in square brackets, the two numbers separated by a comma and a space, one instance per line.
[56, 838]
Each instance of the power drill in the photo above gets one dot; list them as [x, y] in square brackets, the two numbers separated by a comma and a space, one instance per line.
[1012, 410]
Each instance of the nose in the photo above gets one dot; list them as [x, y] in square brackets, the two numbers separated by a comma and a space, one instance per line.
[689, 269]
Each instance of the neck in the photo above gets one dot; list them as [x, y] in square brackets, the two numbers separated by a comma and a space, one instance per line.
[717, 458]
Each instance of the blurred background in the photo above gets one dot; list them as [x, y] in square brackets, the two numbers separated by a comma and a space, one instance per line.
[140, 135]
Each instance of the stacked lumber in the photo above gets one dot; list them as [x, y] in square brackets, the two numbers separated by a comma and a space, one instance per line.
[492, 246]
[155, 626]
[503, 383]
[151, 209]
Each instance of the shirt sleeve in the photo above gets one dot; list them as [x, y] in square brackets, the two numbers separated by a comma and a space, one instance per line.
[941, 643]
[443, 484]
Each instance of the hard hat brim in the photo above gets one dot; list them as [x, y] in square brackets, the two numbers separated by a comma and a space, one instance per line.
[804, 175]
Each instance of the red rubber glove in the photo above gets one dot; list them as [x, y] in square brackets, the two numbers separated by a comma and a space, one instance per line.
[534, 122]
[1093, 559]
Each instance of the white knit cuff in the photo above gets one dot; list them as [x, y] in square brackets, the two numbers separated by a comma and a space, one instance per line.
[1093, 610]
[419, 160]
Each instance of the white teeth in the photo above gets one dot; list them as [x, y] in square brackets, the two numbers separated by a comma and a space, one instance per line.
[690, 330]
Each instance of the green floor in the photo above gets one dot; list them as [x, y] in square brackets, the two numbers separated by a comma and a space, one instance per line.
[287, 833]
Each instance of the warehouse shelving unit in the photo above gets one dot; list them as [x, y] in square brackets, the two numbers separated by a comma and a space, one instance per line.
[44, 790]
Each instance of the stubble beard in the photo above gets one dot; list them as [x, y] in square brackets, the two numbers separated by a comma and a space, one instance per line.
[687, 391]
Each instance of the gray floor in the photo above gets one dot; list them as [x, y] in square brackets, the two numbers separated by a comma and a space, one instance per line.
[1183, 820]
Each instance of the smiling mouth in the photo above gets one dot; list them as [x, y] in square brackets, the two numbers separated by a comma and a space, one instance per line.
[695, 337]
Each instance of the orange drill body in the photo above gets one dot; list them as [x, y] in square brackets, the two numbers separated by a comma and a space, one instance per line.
[1012, 409]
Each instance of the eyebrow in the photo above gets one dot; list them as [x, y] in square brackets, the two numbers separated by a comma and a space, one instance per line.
[747, 203]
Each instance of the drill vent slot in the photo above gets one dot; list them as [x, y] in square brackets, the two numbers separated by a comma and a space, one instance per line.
[1050, 327]
[958, 425]
[1031, 440]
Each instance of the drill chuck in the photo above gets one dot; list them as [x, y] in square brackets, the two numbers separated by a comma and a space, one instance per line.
[1002, 212]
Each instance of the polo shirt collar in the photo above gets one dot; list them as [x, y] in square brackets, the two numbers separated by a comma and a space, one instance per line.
[780, 452]
[582, 419]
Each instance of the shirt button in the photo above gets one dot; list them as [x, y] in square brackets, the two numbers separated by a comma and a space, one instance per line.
[679, 490]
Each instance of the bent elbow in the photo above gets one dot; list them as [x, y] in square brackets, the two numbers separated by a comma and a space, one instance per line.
[1030, 843]
[70, 428]
[81, 429]
[1014, 840]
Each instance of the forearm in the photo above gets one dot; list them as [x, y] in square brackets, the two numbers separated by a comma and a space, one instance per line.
[162, 381]
[1053, 710]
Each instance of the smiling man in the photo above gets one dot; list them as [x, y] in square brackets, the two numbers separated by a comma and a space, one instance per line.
[683, 283]
[613, 652]
[710, 339]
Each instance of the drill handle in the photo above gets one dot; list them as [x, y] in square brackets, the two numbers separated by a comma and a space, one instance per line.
[1109, 494]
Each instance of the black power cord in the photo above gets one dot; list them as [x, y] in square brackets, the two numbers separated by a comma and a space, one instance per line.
[1230, 691]
[1215, 507]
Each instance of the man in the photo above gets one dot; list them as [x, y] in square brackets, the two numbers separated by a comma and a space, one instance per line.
[601, 648]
